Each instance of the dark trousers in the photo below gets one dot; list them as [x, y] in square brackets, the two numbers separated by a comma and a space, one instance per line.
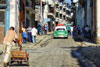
[24, 40]
[29, 37]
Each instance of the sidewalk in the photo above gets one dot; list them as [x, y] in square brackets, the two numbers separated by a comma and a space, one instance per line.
[41, 39]
[84, 41]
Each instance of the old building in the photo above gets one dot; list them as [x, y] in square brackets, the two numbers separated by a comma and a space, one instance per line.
[92, 15]
[9, 16]
[80, 14]
[4, 18]
[62, 12]
[29, 13]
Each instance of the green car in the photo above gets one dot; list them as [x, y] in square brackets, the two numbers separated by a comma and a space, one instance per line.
[60, 32]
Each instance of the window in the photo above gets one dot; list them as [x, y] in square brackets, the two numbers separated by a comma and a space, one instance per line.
[2, 18]
[60, 16]
[57, 14]
[60, 29]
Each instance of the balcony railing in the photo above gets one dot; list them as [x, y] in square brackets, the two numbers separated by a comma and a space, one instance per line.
[2, 1]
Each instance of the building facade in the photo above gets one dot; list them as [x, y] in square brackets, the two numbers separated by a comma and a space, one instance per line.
[62, 12]
[4, 18]
[16, 13]
[80, 14]
[29, 13]
[92, 17]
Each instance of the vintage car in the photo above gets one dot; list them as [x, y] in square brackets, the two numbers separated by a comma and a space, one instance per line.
[60, 32]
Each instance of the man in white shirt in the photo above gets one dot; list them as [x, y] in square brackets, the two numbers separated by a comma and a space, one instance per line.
[34, 34]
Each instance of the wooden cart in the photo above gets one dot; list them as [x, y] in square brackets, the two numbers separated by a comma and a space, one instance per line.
[19, 57]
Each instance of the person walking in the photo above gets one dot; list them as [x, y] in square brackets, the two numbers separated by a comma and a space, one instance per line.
[24, 35]
[39, 29]
[7, 43]
[78, 28]
[29, 34]
[34, 34]
[71, 31]
[46, 28]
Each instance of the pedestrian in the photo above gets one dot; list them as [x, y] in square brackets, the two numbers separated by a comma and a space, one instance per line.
[83, 31]
[34, 34]
[71, 31]
[78, 28]
[29, 34]
[24, 35]
[8, 43]
[39, 29]
[46, 28]
[87, 31]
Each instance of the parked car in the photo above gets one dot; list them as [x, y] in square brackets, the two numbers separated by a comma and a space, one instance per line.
[60, 32]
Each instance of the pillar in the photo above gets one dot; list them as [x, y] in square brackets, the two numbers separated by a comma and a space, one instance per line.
[98, 22]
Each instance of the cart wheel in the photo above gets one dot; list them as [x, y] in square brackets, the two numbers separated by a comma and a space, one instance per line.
[19, 62]
[9, 64]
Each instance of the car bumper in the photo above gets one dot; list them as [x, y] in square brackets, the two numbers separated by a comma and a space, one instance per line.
[61, 36]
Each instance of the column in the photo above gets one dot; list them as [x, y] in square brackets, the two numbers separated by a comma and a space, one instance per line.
[98, 21]
[12, 12]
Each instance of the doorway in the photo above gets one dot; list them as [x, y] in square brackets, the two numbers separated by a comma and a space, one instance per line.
[2, 25]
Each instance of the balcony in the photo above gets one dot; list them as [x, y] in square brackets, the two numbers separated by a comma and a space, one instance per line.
[56, 19]
[57, 10]
[28, 3]
[3, 2]
[51, 9]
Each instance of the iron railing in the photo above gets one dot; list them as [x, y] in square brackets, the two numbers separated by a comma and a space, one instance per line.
[2, 1]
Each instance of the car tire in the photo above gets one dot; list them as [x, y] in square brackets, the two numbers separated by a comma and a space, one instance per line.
[54, 37]
[66, 37]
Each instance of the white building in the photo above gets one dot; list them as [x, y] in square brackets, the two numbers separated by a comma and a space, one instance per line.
[14, 14]
[62, 12]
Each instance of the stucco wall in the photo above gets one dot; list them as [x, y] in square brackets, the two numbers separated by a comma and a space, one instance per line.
[14, 14]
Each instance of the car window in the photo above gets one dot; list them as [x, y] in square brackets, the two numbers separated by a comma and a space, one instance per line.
[60, 29]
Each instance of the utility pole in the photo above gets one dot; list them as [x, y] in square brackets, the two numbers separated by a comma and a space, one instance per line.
[41, 16]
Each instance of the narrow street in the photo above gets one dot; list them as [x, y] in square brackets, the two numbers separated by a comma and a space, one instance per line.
[31, 26]
[57, 53]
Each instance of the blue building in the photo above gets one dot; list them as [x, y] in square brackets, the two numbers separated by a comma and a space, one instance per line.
[4, 18]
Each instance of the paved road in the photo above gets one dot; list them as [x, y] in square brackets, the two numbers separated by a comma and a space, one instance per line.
[57, 53]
